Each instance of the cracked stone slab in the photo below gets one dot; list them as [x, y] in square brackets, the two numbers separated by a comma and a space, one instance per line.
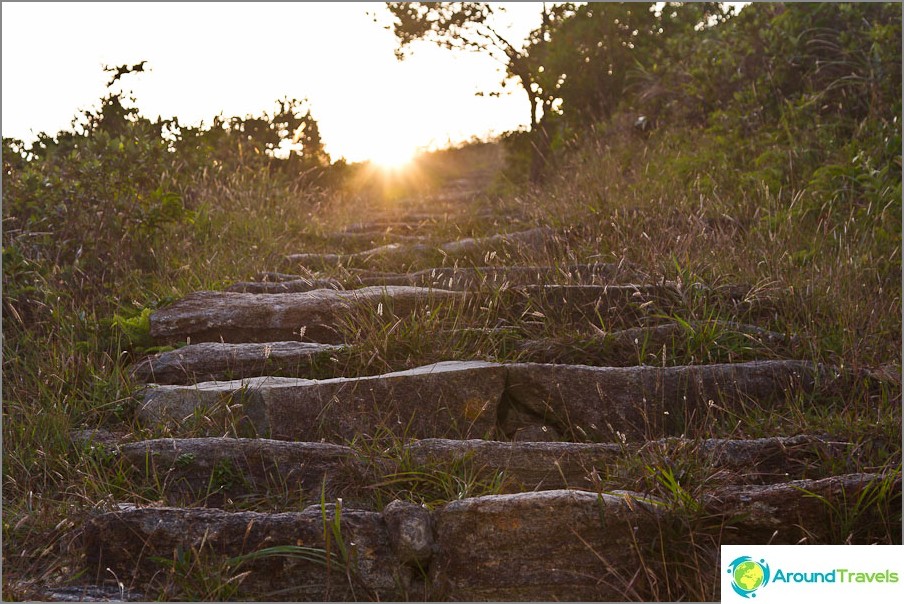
[135, 543]
[240, 317]
[519, 401]
[541, 546]
[211, 361]
[614, 403]
[455, 398]
[211, 470]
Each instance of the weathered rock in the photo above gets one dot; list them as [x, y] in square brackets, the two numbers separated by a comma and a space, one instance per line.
[457, 399]
[530, 239]
[212, 470]
[524, 465]
[83, 593]
[215, 470]
[383, 226]
[274, 277]
[814, 510]
[283, 286]
[410, 532]
[419, 252]
[580, 403]
[210, 361]
[389, 251]
[753, 461]
[135, 543]
[373, 238]
[652, 345]
[97, 437]
[613, 403]
[454, 278]
[534, 466]
[312, 316]
[544, 546]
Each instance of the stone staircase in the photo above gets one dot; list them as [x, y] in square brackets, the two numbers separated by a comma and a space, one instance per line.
[559, 476]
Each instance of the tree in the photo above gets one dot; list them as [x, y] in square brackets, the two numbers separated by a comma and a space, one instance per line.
[467, 26]
[587, 54]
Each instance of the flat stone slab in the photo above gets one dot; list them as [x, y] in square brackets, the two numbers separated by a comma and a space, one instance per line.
[212, 470]
[288, 556]
[753, 461]
[531, 546]
[313, 316]
[82, 593]
[810, 510]
[384, 226]
[524, 465]
[650, 345]
[418, 252]
[541, 546]
[373, 238]
[458, 399]
[573, 545]
[534, 466]
[211, 361]
[284, 286]
[458, 279]
[596, 404]
[520, 401]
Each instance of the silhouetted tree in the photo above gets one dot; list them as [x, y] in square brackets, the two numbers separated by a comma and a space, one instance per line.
[467, 26]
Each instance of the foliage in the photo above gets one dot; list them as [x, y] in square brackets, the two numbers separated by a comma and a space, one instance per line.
[468, 26]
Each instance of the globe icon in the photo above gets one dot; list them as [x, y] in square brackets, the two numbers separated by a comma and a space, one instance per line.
[748, 575]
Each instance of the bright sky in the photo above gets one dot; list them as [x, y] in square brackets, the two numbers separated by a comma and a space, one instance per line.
[239, 58]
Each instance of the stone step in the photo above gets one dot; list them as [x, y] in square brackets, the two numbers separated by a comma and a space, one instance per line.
[458, 279]
[575, 545]
[285, 286]
[547, 545]
[211, 471]
[211, 361]
[458, 399]
[451, 278]
[521, 401]
[384, 226]
[371, 239]
[315, 315]
[656, 344]
[331, 554]
[312, 316]
[418, 252]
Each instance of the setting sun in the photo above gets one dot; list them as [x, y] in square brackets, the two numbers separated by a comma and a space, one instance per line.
[393, 157]
[352, 90]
